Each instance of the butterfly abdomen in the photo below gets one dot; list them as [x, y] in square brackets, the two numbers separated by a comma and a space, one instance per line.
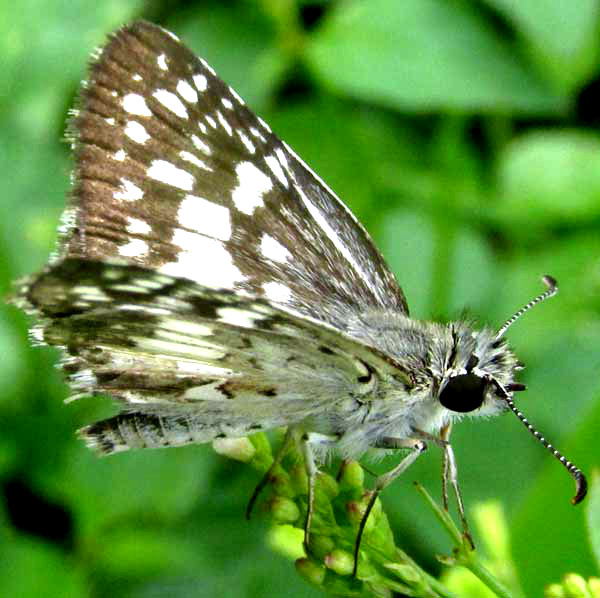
[143, 430]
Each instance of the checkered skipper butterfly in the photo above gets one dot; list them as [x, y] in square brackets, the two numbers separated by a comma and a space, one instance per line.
[212, 283]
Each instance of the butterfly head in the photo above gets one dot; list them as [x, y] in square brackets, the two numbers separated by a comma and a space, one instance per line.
[480, 372]
[480, 375]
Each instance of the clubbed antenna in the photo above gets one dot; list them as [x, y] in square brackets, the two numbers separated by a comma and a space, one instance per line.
[549, 292]
[576, 473]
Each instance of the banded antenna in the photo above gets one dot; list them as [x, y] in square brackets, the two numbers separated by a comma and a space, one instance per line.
[552, 289]
[576, 473]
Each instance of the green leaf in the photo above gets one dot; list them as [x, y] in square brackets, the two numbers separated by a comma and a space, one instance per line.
[549, 178]
[425, 55]
[31, 568]
[562, 37]
[157, 486]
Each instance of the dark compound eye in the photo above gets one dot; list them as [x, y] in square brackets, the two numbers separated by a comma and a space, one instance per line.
[463, 393]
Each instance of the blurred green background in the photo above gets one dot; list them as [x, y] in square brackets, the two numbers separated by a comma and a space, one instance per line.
[464, 135]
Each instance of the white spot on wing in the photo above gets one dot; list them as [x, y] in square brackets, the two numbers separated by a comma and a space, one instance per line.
[128, 191]
[200, 82]
[109, 121]
[170, 101]
[265, 126]
[194, 160]
[187, 327]
[238, 316]
[165, 172]
[168, 348]
[208, 67]
[257, 134]
[91, 293]
[136, 77]
[135, 248]
[252, 186]
[202, 127]
[136, 132]
[137, 226]
[200, 369]
[276, 291]
[155, 283]
[227, 103]
[276, 169]
[134, 103]
[205, 217]
[282, 159]
[246, 141]
[224, 123]
[272, 249]
[211, 121]
[119, 155]
[200, 145]
[236, 96]
[161, 60]
[217, 271]
[187, 92]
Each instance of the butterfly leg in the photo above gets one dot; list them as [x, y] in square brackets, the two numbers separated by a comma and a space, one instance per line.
[445, 433]
[311, 472]
[283, 449]
[417, 447]
[305, 442]
[450, 475]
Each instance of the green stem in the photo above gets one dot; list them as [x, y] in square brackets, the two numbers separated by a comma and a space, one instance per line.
[442, 515]
[463, 554]
[486, 577]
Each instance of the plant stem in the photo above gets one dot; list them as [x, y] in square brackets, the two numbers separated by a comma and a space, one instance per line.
[463, 553]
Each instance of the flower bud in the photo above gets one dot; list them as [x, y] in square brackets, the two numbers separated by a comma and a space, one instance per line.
[284, 510]
[240, 449]
[313, 573]
[575, 586]
[340, 561]
[352, 476]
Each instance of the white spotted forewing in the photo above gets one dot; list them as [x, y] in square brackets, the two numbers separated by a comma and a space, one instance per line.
[208, 279]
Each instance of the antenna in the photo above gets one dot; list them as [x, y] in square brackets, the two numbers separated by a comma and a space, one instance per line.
[576, 473]
[549, 292]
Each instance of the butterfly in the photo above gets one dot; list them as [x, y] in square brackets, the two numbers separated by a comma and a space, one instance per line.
[210, 282]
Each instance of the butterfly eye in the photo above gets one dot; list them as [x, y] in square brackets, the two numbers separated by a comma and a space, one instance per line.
[463, 393]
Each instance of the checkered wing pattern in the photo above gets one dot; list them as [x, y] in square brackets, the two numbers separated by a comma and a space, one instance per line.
[205, 275]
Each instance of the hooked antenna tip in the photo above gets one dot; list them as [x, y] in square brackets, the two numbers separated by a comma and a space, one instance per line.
[581, 489]
[550, 282]
[551, 290]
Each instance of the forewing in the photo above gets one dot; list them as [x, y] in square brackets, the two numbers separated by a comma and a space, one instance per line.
[175, 173]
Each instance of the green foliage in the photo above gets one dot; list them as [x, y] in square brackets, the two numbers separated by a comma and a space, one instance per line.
[458, 132]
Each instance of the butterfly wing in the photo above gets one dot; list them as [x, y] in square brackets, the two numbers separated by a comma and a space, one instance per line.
[175, 173]
[204, 363]
[206, 276]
